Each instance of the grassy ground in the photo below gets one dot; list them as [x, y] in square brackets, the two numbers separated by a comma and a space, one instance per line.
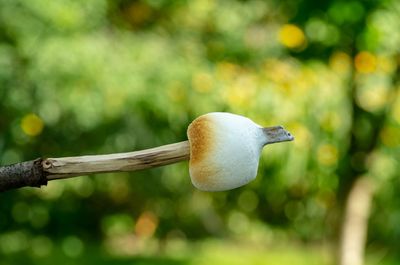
[204, 253]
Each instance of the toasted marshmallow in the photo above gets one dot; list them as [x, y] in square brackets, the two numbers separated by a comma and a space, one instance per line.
[224, 151]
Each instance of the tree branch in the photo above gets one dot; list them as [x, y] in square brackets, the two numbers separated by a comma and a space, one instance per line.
[66, 167]
[29, 173]
[37, 172]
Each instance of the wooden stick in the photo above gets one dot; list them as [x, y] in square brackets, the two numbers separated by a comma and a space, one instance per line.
[37, 172]
[67, 167]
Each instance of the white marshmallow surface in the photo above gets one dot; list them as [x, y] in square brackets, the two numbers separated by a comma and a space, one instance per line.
[224, 151]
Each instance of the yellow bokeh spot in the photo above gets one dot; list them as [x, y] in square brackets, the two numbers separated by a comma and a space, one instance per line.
[396, 110]
[239, 96]
[330, 121]
[32, 125]
[227, 71]
[327, 154]
[365, 62]
[280, 71]
[242, 91]
[291, 36]
[340, 62]
[202, 82]
[372, 99]
[386, 64]
[302, 135]
[390, 136]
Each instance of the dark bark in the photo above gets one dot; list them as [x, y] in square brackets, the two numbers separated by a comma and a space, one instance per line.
[29, 173]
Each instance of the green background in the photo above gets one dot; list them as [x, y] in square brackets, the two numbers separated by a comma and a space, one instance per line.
[96, 76]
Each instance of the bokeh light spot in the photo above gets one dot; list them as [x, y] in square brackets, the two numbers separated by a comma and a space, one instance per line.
[396, 111]
[41, 246]
[346, 11]
[146, 225]
[386, 64]
[291, 36]
[51, 192]
[365, 62]
[226, 71]
[340, 62]
[372, 99]
[11, 156]
[117, 224]
[320, 31]
[390, 136]
[248, 201]
[238, 222]
[294, 210]
[202, 82]
[20, 212]
[239, 96]
[382, 166]
[302, 134]
[31, 124]
[39, 216]
[327, 154]
[72, 246]
[13, 242]
[331, 121]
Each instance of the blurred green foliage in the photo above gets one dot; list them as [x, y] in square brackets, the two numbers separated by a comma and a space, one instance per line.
[91, 77]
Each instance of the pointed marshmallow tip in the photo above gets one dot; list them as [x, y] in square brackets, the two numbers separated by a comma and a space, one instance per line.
[290, 136]
[277, 134]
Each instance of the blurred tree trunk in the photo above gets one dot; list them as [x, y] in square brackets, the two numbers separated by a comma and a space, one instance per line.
[355, 223]
[355, 187]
